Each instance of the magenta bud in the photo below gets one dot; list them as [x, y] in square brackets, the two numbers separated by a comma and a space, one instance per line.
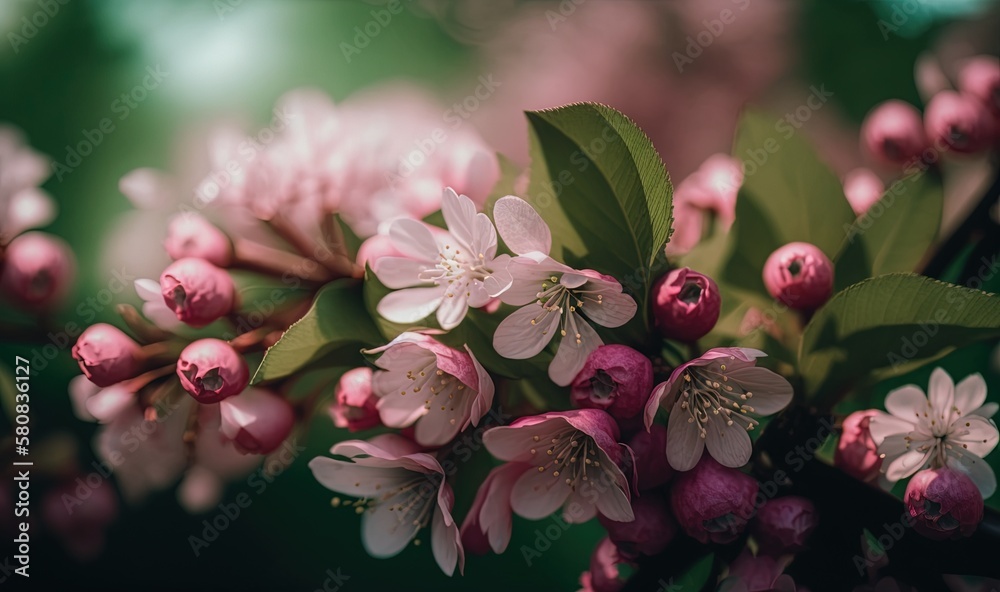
[354, 405]
[862, 188]
[107, 355]
[197, 291]
[784, 524]
[650, 532]
[712, 502]
[893, 133]
[649, 449]
[190, 235]
[604, 574]
[944, 503]
[959, 122]
[857, 454]
[37, 270]
[980, 78]
[686, 304]
[256, 420]
[211, 370]
[616, 379]
[799, 275]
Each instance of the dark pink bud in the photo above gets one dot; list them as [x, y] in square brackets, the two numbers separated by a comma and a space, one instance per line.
[712, 502]
[354, 405]
[784, 524]
[256, 420]
[958, 122]
[604, 574]
[686, 304]
[945, 503]
[616, 379]
[980, 78]
[37, 270]
[190, 235]
[211, 370]
[799, 275]
[857, 454]
[893, 133]
[650, 532]
[197, 291]
[107, 355]
[863, 188]
[649, 449]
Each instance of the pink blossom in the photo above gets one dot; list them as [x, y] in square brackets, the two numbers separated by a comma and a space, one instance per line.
[576, 462]
[354, 405]
[402, 491]
[106, 355]
[190, 235]
[799, 275]
[37, 271]
[944, 503]
[783, 525]
[604, 575]
[980, 78]
[713, 401]
[960, 122]
[197, 291]
[712, 502]
[863, 188]
[441, 390]
[488, 524]
[617, 379]
[857, 453]
[256, 420]
[686, 304]
[893, 133]
[22, 205]
[211, 370]
[711, 190]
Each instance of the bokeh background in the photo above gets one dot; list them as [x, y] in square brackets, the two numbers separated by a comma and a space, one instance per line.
[231, 59]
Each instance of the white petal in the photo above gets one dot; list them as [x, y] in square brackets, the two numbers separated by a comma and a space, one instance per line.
[81, 389]
[520, 226]
[29, 208]
[107, 403]
[771, 392]
[386, 533]
[907, 402]
[571, 356]
[400, 411]
[454, 306]
[518, 338]
[161, 316]
[355, 479]
[148, 290]
[975, 434]
[976, 469]
[410, 236]
[970, 394]
[411, 304]
[614, 310]
[907, 463]
[941, 393]
[445, 543]
[684, 442]
[883, 426]
[987, 410]
[399, 272]
[728, 444]
[436, 428]
[460, 217]
[538, 494]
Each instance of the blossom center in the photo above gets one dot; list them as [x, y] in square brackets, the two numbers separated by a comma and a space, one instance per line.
[458, 269]
[556, 298]
[708, 393]
[567, 456]
[437, 386]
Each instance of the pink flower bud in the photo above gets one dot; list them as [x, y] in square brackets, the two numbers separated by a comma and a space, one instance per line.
[604, 575]
[784, 524]
[863, 188]
[799, 275]
[190, 235]
[686, 304]
[107, 355]
[256, 420]
[36, 270]
[712, 502]
[197, 291]
[211, 370]
[980, 78]
[959, 122]
[616, 379]
[945, 503]
[857, 454]
[650, 532]
[355, 404]
[893, 133]
[649, 449]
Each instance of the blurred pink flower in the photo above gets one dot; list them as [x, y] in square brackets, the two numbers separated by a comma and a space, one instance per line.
[711, 190]
[355, 404]
[23, 205]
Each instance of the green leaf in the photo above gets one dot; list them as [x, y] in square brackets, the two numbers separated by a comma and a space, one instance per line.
[894, 234]
[696, 577]
[337, 318]
[887, 323]
[787, 195]
[602, 188]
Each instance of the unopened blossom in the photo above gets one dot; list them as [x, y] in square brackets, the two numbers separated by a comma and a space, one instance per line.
[893, 133]
[617, 379]
[686, 304]
[711, 190]
[857, 453]
[197, 291]
[712, 502]
[442, 275]
[23, 205]
[211, 370]
[554, 298]
[604, 574]
[863, 188]
[762, 573]
[191, 235]
[980, 78]
[93, 403]
[107, 355]
[650, 450]
[257, 420]
[650, 532]
[783, 525]
[576, 462]
[355, 403]
[38, 270]
[400, 491]
[949, 426]
[714, 401]
[489, 522]
[799, 275]
[959, 122]
[440, 389]
[944, 503]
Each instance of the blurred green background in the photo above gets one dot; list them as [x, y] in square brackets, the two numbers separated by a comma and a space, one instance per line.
[232, 58]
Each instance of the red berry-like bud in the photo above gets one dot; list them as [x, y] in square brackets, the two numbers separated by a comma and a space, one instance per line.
[686, 304]
[197, 291]
[712, 502]
[616, 379]
[256, 420]
[649, 449]
[893, 133]
[959, 122]
[37, 270]
[106, 355]
[980, 78]
[945, 503]
[650, 532]
[354, 406]
[857, 454]
[784, 524]
[211, 370]
[190, 235]
[799, 275]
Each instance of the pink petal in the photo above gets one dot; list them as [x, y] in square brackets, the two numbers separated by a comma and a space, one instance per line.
[653, 404]
[907, 402]
[355, 479]
[385, 532]
[771, 392]
[411, 304]
[615, 310]
[148, 290]
[613, 502]
[460, 217]
[538, 494]
[107, 403]
[571, 356]
[970, 394]
[684, 442]
[400, 411]
[410, 236]
[399, 272]
[514, 442]
[941, 392]
[520, 226]
[446, 541]
[437, 427]
[148, 188]
[728, 444]
[27, 209]
[454, 306]
[975, 468]
[883, 425]
[518, 338]
[81, 389]
[978, 435]
[484, 391]
[200, 490]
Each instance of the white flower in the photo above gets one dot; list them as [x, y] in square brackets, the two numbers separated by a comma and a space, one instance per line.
[948, 427]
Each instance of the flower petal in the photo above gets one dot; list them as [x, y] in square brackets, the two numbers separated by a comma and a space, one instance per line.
[525, 332]
[941, 393]
[460, 217]
[484, 391]
[771, 392]
[107, 403]
[987, 410]
[411, 236]
[970, 394]
[975, 434]
[906, 464]
[355, 479]
[400, 411]
[454, 306]
[399, 272]
[27, 209]
[684, 442]
[907, 402]
[538, 494]
[882, 426]
[520, 226]
[653, 404]
[615, 309]
[727, 443]
[573, 351]
[385, 532]
[411, 304]
[446, 544]
[975, 468]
